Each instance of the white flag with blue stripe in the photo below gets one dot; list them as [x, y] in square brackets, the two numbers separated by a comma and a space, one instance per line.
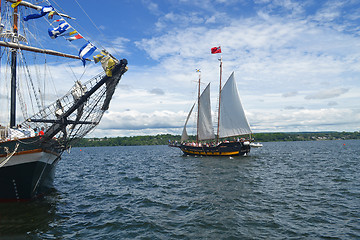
[86, 51]
[55, 32]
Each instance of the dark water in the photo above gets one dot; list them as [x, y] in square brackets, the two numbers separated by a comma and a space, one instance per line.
[286, 190]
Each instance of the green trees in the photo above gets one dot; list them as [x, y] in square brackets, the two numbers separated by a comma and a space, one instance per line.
[163, 139]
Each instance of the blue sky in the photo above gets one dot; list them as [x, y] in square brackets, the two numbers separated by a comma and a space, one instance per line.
[296, 63]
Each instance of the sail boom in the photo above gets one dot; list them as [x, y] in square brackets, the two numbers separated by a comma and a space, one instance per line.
[38, 50]
[30, 5]
[237, 135]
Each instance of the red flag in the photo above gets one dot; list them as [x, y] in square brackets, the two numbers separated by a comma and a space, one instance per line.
[215, 50]
[77, 36]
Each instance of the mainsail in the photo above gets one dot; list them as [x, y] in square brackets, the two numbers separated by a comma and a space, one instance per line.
[233, 121]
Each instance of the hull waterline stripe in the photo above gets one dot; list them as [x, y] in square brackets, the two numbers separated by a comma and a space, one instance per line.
[212, 153]
[32, 151]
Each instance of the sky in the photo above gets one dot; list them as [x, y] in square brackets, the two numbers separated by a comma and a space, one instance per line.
[296, 63]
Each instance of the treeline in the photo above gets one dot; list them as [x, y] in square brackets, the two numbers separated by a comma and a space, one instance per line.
[305, 136]
[163, 139]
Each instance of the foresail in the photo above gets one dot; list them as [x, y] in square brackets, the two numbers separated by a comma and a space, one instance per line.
[184, 135]
[205, 126]
[233, 121]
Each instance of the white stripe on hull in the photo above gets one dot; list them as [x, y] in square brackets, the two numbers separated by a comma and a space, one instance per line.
[44, 157]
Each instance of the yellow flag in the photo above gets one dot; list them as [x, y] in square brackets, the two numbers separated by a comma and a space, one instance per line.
[110, 67]
[100, 56]
[51, 14]
[73, 32]
[97, 58]
[14, 5]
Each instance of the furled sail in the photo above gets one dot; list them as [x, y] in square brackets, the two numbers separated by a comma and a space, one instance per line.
[205, 126]
[184, 135]
[233, 121]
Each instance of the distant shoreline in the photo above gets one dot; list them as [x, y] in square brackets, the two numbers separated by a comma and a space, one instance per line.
[163, 139]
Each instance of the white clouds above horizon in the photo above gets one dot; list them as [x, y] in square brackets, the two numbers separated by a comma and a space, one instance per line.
[296, 64]
[293, 55]
[328, 93]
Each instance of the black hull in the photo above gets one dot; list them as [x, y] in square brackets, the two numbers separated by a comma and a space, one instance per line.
[26, 181]
[29, 172]
[223, 149]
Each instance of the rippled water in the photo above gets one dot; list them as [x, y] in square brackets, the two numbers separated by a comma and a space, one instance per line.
[285, 190]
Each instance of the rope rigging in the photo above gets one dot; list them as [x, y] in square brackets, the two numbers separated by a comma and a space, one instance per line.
[79, 110]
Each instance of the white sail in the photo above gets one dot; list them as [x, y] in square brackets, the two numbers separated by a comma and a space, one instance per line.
[205, 126]
[233, 121]
[184, 135]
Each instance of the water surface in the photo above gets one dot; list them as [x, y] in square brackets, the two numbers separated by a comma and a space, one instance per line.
[285, 190]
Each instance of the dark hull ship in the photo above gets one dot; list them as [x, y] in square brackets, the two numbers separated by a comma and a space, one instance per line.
[28, 160]
[223, 149]
[29, 170]
[232, 123]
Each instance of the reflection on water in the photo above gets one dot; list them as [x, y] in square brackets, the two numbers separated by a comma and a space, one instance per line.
[21, 219]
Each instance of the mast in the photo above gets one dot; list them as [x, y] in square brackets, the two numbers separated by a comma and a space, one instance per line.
[13, 71]
[218, 123]
[197, 123]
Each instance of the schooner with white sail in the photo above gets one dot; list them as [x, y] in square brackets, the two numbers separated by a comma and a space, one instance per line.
[232, 123]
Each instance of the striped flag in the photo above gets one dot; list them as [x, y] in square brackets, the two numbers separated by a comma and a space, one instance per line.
[55, 32]
[100, 56]
[77, 36]
[68, 33]
[86, 51]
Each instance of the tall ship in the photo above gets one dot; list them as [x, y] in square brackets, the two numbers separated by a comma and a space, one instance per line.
[36, 126]
[233, 135]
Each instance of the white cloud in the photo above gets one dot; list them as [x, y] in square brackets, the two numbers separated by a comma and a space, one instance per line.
[135, 120]
[157, 91]
[288, 65]
[328, 93]
[153, 7]
[290, 94]
[289, 58]
[118, 45]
